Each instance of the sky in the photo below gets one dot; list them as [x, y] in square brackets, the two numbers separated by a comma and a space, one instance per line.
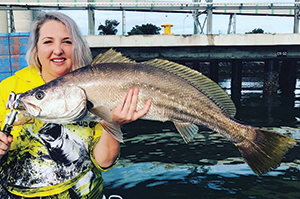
[183, 23]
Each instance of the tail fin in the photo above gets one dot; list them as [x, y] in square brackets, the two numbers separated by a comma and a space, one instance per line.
[265, 151]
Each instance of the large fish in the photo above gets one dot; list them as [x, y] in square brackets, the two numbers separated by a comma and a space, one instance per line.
[179, 94]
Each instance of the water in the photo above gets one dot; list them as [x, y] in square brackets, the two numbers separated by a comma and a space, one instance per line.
[156, 163]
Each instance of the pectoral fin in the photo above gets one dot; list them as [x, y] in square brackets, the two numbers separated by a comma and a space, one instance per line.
[113, 129]
[103, 112]
[107, 122]
[186, 130]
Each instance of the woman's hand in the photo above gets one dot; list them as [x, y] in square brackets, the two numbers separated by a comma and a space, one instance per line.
[4, 143]
[126, 111]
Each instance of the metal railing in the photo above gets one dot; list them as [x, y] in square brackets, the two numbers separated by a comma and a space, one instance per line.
[287, 9]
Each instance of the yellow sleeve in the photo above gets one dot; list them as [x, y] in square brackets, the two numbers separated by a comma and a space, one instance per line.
[2, 106]
[98, 132]
[22, 81]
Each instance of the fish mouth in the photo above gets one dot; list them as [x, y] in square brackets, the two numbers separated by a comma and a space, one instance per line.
[28, 107]
[19, 107]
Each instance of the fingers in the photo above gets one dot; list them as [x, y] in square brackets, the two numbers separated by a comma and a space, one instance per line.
[122, 102]
[126, 110]
[133, 103]
[126, 104]
[4, 143]
[3, 138]
[143, 111]
[130, 103]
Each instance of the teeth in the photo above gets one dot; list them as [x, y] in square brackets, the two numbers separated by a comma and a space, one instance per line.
[58, 60]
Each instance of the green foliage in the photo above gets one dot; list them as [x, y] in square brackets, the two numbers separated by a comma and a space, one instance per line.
[256, 31]
[148, 29]
[109, 28]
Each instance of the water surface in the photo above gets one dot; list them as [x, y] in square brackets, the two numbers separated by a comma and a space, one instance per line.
[156, 163]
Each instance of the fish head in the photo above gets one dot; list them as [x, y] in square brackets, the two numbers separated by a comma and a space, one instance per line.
[56, 104]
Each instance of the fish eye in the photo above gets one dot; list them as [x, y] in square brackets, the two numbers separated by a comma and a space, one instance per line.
[39, 95]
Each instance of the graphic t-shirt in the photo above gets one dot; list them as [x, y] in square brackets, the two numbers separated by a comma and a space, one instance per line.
[44, 159]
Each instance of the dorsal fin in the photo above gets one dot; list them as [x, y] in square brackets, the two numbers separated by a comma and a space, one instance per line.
[111, 56]
[200, 81]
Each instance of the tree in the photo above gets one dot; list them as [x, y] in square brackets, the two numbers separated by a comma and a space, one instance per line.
[256, 31]
[109, 28]
[148, 29]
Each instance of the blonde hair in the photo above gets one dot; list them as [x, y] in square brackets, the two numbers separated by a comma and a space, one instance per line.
[81, 53]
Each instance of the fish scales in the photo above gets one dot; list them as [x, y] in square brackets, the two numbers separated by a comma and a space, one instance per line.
[169, 100]
[178, 94]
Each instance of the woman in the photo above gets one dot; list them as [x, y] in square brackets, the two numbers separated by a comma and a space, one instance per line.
[52, 160]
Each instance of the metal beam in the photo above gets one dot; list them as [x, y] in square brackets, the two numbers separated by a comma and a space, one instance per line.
[123, 22]
[198, 28]
[91, 18]
[11, 21]
[290, 9]
[275, 9]
[195, 16]
[232, 23]
[204, 53]
[209, 10]
[296, 18]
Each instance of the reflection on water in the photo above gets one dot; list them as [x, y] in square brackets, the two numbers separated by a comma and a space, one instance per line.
[156, 163]
[160, 180]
